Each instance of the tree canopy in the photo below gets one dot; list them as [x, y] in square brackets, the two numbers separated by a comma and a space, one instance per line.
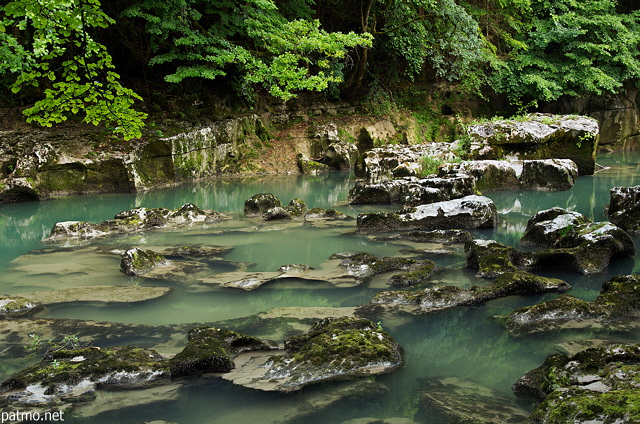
[68, 55]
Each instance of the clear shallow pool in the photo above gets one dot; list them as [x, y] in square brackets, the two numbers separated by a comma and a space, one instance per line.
[465, 343]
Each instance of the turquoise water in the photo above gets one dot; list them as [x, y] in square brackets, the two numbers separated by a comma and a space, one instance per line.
[466, 343]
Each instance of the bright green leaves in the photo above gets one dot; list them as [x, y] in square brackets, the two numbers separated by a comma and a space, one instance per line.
[574, 48]
[248, 39]
[58, 54]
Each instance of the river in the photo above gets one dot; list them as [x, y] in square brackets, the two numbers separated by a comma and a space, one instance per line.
[464, 344]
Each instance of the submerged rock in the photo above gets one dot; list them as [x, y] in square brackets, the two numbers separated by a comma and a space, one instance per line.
[106, 294]
[333, 349]
[595, 385]
[345, 269]
[443, 297]
[616, 308]
[413, 191]
[467, 212]
[624, 208]
[17, 306]
[317, 214]
[463, 401]
[539, 136]
[131, 221]
[211, 350]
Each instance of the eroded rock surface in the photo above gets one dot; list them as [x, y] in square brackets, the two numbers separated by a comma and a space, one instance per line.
[542, 175]
[413, 190]
[616, 308]
[131, 221]
[334, 348]
[624, 208]
[539, 136]
[443, 297]
[467, 212]
[596, 385]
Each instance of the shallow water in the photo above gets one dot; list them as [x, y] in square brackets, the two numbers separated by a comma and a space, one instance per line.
[467, 343]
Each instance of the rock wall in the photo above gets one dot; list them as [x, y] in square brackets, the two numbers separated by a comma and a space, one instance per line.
[618, 117]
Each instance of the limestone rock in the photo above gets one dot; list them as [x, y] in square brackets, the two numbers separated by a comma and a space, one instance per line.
[539, 136]
[261, 203]
[624, 208]
[107, 294]
[541, 175]
[17, 306]
[391, 161]
[466, 212]
[138, 261]
[413, 191]
[211, 350]
[133, 220]
[276, 213]
[463, 401]
[616, 308]
[334, 348]
[595, 385]
[69, 375]
[443, 297]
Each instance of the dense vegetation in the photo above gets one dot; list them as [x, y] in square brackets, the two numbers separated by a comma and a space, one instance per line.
[103, 62]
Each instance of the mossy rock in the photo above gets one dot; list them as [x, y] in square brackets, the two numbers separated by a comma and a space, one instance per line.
[297, 208]
[117, 366]
[211, 350]
[137, 261]
[595, 385]
[417, 273]
[261, 203]
[17, 306]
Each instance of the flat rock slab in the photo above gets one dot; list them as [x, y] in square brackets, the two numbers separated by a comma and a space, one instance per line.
[106, 294]
[463, 401]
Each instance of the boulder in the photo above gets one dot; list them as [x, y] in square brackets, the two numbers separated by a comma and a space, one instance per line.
[548, 174]
[538, 136]
[616, 308]
[334, 348]
[261, 203]
[595, 385]
[624, 208]
[412, 191]
[392, 161]
[17, 305]
[541, 175]
[493, 259]
[138, 261]
[276, 213]
[577, 243]
[466, 212]
[297, 208]
[418, 272]
[211, 350]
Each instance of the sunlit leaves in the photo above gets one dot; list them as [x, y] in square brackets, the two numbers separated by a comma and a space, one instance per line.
[59, 54]
[249, 39]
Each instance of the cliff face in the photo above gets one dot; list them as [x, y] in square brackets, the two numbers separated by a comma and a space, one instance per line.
[38, 164]
[618, 116]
